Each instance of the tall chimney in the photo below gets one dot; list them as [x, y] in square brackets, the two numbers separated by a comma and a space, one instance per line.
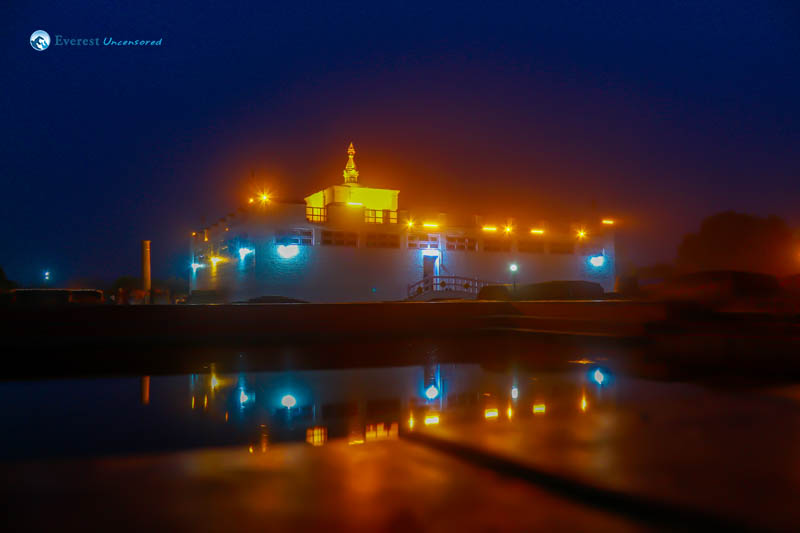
[146, 270]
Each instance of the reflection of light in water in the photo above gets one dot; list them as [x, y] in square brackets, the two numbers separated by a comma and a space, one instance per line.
[226, 416]
[192, 402]
[431, 420]
[539, 408]
[599, 377]
[514, 392]
[288, 401]
[205, 401]
[431, 392]
[582, 361]
[584, 404]
[379, 431]
[317, 436]
[490, 414]
[411, 422]
[509, 412]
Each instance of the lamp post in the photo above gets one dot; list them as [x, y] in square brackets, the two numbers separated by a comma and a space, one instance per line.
[513, 268]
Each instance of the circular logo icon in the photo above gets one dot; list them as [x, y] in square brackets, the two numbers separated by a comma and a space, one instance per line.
[40, 40]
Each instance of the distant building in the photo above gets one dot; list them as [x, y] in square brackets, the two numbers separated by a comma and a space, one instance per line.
[352, 243]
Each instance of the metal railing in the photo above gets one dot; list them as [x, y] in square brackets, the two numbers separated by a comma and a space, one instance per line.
[448, 283]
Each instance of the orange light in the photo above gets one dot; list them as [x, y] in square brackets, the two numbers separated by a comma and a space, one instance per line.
[194, 234]
[411, 422]
[216, 259]
[431, 420]
[608, 222]
[490, 414]
[205, 401]
[584, 403]
[192, 402]
[489, 228]
[537, 231]
[410, 224]
[508, 229]
[581, 233]
[509, 412]
[250, 449]
[226, 416]
[539, 408]
[251, 200]
[355, 442]
[430, 225]
[317, 436]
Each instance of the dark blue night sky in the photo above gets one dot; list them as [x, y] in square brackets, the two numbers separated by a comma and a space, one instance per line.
[660, 113]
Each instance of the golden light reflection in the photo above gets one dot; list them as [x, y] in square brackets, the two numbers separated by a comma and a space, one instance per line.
[608, 222]
[251, 449]
[216, 259]
[490, 414]
[584, 403]
[431, 420]
[539, 408]
[411, 422]
[355, 442]
[537, 231]
[205, 401]
[430, 225]
[317, 436]
[192, 402]
[509, 412]
[381, 431]
[226, 416]
[489, 228]
[581, 361]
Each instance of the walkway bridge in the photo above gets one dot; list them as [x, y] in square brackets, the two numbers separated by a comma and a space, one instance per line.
[446, 287]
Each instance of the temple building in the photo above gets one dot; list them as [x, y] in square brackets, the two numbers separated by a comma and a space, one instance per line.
[350, 243]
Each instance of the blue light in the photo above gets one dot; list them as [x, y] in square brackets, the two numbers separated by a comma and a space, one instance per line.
[431, 392]
[195, 266]
[288, 401]
[597, 261]
[288, 251]
[430, 253]
[598, 376]
[244, 252]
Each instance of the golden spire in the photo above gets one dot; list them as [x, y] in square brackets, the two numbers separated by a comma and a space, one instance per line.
[350, 173]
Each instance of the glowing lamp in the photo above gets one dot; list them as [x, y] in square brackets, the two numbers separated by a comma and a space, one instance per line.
[598, 376]
[608, 222]
[508, 229]
[539, 408]
[288, 401]
[584, 403]
[431, 392]
[513, 267]
[514, 393]
[490, 414]
[244, 252]
[216, 259]
[430, 225]
[288, 251]
[537, 231]
[251, 200]
[489, 228]
[431, 420]
[581, 234]
[410, 224]
[195, 266]
[264, 198]
[597, 261]
[355, 203]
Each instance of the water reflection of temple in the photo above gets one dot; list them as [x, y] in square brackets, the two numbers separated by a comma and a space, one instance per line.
[371, 405]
